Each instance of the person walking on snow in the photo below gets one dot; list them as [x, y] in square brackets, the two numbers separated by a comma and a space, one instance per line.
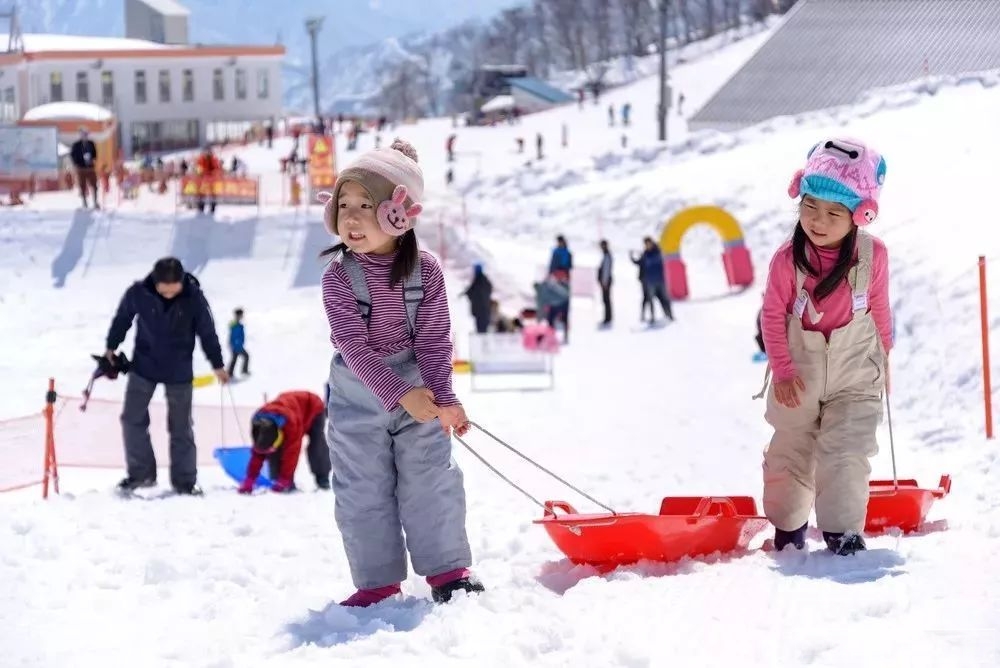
[480, 294]
[391, 407]
[237, 343]
[604, 274]
[83, 155]
[277, 429]
[170, 310]
[827, 330]
[654, 282]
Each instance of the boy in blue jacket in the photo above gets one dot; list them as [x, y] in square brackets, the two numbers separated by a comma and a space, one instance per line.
[237, 339]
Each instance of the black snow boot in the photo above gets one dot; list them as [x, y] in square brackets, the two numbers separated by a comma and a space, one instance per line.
[796, 538]
[130, 483]
[189, 489]
[443, 593]
[844, 544]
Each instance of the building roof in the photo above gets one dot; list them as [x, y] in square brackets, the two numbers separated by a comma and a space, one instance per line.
[540, 89]
[167, 7]
[34, 43]
[830, 52]
[67, 47]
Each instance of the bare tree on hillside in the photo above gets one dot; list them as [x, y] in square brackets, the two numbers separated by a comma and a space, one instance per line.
[638, 28]
[598, 18]
[400, 93]
[568, 30]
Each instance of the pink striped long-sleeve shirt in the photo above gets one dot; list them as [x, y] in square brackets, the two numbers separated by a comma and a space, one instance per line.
[837, 307]
[364, 347]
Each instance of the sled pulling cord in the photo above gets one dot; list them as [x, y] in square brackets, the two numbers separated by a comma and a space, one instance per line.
[527, 459]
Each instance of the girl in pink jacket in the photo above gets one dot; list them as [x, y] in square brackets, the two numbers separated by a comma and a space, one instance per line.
[826, 325]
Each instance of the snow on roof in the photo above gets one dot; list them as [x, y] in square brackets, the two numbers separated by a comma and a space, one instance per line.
[498, 103]
[34, 42]
[167, 7]
[65, 111]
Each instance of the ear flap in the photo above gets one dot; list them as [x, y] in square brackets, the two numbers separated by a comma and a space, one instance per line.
[414, 210]
[323, 196]
[795, 187]
[866, 213]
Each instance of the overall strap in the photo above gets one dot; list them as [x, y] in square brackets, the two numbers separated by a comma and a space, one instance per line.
[358, 285]
[861, 275]
[413, 295]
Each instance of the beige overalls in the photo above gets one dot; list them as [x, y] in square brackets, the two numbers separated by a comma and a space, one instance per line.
[820, 449]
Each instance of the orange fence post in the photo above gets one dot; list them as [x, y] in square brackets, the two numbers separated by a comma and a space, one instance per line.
[51, 469]
[987, 385]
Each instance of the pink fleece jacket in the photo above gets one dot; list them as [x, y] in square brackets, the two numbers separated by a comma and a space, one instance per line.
[779, 298]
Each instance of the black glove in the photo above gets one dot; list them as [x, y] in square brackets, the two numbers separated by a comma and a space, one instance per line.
[111, 368]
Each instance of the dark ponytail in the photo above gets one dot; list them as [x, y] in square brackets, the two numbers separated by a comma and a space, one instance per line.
[404, 262]
[406, 258]
[840, 270]
[334, 250]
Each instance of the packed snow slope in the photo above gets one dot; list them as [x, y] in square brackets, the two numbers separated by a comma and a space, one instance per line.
[636, 414]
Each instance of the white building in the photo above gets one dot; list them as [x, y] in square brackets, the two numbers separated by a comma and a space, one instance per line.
[164, 21]
[165, 97]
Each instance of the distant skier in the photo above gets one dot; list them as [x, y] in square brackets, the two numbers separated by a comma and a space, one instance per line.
[480, 293]
[831, 366]
[604, 276]
[654, 280]
[237, 343]
[83, 154]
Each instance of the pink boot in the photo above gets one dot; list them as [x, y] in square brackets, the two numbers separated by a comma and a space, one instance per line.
[362, 598]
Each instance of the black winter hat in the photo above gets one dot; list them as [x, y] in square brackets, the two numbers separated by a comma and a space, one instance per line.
[264, 433]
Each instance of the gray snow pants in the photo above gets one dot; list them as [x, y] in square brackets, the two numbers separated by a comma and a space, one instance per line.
[392, 474]
[139, 457]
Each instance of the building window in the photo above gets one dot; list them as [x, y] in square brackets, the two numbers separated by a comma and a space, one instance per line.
[164, 135]
[164, 85]
[55, 87]
[107, 88]
[262, 92]
[241, 84]
[82, 87]
[218, 85]
[140, 87]
[188, 85]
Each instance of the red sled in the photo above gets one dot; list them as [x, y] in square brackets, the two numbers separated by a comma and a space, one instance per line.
[687, 526]
[901, 505]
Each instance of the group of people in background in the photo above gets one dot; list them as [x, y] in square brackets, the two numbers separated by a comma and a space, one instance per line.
[553, 294]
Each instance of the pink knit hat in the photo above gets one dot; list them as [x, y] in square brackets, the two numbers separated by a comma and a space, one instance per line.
[844, 171]
[393, 180]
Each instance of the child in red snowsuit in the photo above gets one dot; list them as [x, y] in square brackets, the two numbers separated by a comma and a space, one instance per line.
[277, 429]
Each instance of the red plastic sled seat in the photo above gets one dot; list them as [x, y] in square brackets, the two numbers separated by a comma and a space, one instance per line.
[686, 526]
[904, 507]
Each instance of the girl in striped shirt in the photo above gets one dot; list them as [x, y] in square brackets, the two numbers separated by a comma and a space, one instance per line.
[391, 408]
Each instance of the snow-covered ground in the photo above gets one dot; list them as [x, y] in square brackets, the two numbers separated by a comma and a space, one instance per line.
[635, 415]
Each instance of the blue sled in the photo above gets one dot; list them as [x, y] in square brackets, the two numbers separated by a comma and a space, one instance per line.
[234, 462]
[759, 357]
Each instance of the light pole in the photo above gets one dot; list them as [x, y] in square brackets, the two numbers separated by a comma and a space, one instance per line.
[313, 26]
[663, 6]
